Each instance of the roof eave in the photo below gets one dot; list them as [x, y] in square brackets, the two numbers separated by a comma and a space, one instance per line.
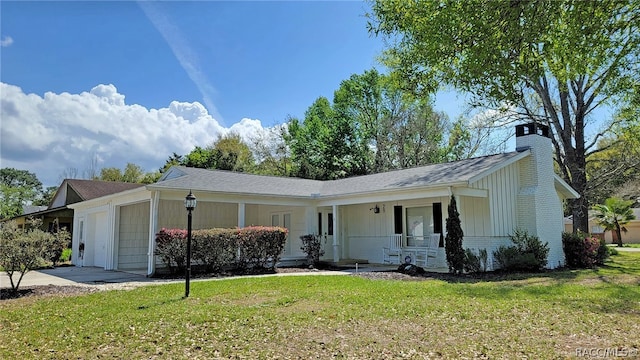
[565, 189]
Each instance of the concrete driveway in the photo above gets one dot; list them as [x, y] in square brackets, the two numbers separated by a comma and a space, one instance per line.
[72, 275]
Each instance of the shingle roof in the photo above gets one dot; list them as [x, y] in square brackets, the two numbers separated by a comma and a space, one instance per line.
[30, 209]
[429, 175]
[91, 189]
[240, 183]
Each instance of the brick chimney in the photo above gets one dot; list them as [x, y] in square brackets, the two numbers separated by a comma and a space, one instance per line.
[539, 206]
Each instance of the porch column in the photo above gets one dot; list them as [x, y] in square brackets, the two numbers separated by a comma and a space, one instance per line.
[336, 234]
[109, 245]
[241, 215]
[153, 226]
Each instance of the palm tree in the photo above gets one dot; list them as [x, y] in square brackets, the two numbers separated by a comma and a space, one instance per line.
[613, 215]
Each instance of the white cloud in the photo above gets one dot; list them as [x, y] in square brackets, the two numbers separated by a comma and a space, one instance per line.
[49, 134]
[6, 41]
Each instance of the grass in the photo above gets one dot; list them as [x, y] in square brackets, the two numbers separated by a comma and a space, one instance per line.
[542, 316]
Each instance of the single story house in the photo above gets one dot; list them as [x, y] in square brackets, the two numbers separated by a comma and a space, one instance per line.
[631, 236]
[358, 218]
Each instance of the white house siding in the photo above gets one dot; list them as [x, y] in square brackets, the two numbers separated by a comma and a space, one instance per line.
[133, 236]
[261, 215]
[474, 216]
[539, 205]
[503, 185]
[172, 214]
[367, 233]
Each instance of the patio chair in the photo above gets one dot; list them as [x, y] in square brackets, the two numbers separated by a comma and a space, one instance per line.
[392, 254]
[431, 251]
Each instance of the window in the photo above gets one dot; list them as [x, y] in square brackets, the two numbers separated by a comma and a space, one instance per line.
[330, 223]
[319, 223]
[397, 219]
[419, 225]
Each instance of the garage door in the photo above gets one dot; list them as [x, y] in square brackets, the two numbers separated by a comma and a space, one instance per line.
[133, 243]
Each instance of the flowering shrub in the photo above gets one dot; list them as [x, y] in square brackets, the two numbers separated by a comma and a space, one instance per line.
[172, 249]
[260, 246]
[214, 248]
[217, 249]
[582, 250]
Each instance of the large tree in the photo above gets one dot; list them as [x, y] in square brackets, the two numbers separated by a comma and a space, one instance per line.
[17, 188]
[553, 62]
[271, 151]
[402, 129]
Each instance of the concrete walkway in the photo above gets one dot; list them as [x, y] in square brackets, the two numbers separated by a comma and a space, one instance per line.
[624, 248]
[86, 276]
[72, 275]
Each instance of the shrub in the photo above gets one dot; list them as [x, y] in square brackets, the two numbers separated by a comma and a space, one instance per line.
[57, 243]
[214, 248]
[528, 253]
[171, 247]
[475, 263]
[66, 255]
[260, 246]
[583, 251]
[312, 246]
[471, 261]
[21, 250]
[453, 240]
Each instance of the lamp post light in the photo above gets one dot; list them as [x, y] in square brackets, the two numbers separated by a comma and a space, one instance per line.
[190, 205]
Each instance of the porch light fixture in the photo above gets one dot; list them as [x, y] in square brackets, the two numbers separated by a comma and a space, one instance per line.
[376, 209]
[190, 205]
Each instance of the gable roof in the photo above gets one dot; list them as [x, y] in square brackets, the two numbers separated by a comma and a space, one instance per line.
[75, 190]
[447, 174]
[235, 183]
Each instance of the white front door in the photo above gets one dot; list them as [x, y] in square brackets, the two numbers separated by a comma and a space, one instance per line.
[325, 226]
[100, 240]
[283, 219]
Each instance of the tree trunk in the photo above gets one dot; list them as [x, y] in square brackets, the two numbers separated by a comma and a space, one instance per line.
[619, 235]
[579, 207]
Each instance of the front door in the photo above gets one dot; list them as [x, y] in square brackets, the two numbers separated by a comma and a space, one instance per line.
[283, 219]
[325, 228]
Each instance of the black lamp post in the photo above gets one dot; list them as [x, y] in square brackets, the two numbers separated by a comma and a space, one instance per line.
[190, 204]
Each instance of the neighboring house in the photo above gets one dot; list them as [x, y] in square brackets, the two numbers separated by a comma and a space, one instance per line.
[69, 192]
[632, 236]
[357, 217]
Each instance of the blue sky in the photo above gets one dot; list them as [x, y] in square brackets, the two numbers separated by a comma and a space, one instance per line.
[133, 82]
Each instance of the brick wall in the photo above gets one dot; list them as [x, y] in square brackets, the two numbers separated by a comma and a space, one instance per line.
[539, 206]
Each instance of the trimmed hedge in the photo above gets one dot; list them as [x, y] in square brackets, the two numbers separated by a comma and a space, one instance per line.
[582, 250]
[243, 249]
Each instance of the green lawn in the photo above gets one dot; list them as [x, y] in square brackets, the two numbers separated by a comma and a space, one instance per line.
[539, 316]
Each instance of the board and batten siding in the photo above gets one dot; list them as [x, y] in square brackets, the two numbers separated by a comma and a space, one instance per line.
[133, 239]
[260, 215]
[207, 215]
[503, 186]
